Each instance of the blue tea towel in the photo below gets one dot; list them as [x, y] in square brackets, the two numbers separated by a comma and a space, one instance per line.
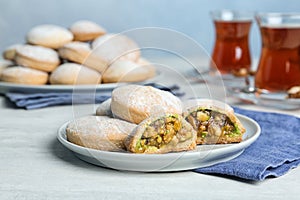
[274, 153]
[41, 100]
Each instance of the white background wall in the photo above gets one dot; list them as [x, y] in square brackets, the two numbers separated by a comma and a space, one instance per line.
[188, 16]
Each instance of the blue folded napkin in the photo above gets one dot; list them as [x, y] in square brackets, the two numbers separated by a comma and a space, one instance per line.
[273, 154]
[41, 100]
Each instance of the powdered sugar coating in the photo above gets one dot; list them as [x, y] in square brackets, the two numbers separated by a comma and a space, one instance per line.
[10, 52]
[5, 64]
[38, 53]
[125, 71]
[135, 103]
[99, 132]
[85, 26]
[49, 35]
[71, 73]
[102, 125]
[76, 45]
[24, 75]
[116, 46]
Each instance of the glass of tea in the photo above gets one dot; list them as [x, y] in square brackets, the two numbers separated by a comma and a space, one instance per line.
[279, 64]
[231, 50]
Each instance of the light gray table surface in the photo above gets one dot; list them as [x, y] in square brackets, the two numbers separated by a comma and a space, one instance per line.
[34, 165]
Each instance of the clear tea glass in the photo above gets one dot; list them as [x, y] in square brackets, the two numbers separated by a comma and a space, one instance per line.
[231, 50]
[279, 65]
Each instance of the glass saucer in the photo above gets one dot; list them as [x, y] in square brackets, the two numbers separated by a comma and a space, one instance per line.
[278, 100]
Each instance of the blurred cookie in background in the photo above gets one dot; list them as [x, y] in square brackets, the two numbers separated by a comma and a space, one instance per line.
[112, 47]
[49, 35]
[24, 75]
[10, 52]
[5, 64]
[126, 71]
[37, 57]
[81, 53]
[85, 30]
[74, 74]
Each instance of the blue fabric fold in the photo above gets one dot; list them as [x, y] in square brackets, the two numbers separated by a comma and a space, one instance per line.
[273, 154]
[41, 100]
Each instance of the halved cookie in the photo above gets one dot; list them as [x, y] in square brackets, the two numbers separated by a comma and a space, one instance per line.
[163, 134]
[215, 122]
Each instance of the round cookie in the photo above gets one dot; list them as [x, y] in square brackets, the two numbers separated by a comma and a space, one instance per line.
[81, 53]
[104, 109]
[85, 30]
[99, 132]
[23, 75]
[49, 35]
[5, 64]
[142, 62]
[71, 73]
[37, 57]
[126, 71]
[75, 51]
[111, 47]
[134, 103]
[10, 52]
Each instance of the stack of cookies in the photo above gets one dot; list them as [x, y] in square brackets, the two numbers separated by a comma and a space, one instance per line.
[83, 54]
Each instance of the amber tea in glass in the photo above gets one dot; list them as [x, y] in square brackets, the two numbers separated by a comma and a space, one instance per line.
[231, 49]
[279, 65]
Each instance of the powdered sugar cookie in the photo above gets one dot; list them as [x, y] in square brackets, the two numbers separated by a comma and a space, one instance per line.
[49, 35]
[126, 71]
[142, 62]
[81, 53]
[37, 57]
[111, 47]
[71, 73]
[75, 51]
[135, 103]
[10, 52]
[104, 109]
[23, 75]
[85, 30]
[99, 132]
[5, 64]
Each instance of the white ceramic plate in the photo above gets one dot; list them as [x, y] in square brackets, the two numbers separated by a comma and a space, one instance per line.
[204, 155]
[11, 87]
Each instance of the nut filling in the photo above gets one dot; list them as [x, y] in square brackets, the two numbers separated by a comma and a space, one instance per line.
[211, 126]
[161, 132]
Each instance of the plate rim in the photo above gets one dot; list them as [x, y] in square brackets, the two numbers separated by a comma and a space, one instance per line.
[6, 86]
[184, 155]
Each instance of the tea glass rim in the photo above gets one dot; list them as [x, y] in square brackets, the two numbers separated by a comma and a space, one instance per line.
[233, 15]
[278, 18]
[278, 14]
